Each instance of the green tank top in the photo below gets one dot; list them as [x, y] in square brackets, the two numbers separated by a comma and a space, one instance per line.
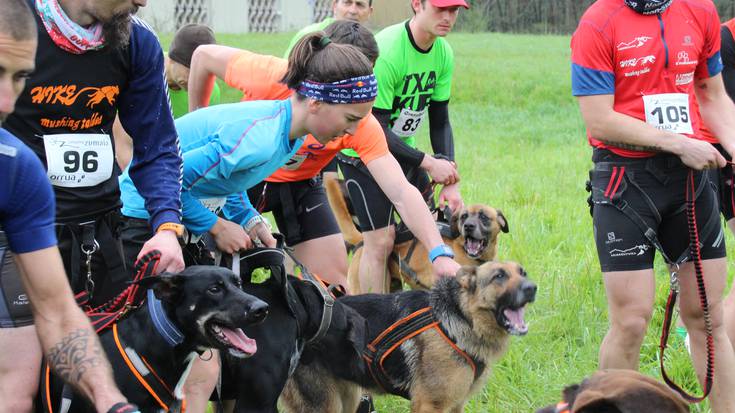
[180, 100]
[409, 79]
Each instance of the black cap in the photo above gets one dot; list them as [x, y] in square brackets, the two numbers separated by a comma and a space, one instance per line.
[188, 38]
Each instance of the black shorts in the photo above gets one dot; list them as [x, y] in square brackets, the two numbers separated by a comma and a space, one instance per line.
[109, 272]
[301, 208]
[372, 208]
[725, 186]
[654, 188]
[15, 308]
[134, 232]
[331, 166]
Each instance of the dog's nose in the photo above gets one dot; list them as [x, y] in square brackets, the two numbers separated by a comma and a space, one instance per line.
[258, 312]
[529, 290]
[469, 227]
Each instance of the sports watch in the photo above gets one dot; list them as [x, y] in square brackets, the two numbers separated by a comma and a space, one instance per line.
[177, 228]
[441, 250]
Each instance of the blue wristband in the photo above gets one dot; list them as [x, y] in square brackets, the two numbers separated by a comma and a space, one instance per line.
[441, 250]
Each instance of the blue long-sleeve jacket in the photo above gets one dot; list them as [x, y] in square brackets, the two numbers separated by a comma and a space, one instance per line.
[226, 150]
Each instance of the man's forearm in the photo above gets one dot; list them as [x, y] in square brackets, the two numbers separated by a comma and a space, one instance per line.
[74, 353]
[718, 113]
[623, 131]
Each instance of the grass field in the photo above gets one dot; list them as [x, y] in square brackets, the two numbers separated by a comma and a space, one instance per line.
[520, 147]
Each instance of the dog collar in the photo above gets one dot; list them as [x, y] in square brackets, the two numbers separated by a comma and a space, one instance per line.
[163, 325]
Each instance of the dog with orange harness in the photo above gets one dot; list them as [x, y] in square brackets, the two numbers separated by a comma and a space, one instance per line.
[433, 347]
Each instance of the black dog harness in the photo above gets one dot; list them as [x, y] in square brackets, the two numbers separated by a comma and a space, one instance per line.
[107, 316]
[378, 351]
[170, 400]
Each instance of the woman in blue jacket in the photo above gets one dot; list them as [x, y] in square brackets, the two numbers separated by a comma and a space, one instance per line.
[230, 148]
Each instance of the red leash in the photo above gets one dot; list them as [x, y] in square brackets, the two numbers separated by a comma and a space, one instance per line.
[696, 255]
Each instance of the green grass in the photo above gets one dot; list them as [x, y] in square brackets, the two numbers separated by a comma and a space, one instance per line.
[521, 148]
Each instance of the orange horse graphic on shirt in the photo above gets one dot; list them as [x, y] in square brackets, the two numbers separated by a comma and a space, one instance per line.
[67, 95]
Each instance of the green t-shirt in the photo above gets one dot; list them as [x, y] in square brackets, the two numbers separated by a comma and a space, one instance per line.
[314, 27]
[410, 78]
[180, 100]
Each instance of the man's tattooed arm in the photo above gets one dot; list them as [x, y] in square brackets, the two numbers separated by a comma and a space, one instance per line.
[75, 355]
[631, 147]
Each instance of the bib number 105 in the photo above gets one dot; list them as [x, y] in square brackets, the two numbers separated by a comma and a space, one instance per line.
[669, 112]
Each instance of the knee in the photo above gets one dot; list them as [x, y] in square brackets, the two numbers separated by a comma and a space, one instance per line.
[378, 243]
[17, 404]
[631, 327]
[693, 317]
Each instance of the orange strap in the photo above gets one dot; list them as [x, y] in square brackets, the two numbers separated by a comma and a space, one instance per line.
[134, 370]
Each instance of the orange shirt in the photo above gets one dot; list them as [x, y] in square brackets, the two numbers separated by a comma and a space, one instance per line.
[258, 77]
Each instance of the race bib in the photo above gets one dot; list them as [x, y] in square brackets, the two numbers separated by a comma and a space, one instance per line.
[295, 162]
[214, 204]
[78, 160]
[668, 112]
[408, 122]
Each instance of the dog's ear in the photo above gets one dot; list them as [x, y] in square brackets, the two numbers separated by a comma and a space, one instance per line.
[467, 277]
[357, 335]
[502, 221]
[454, 223]
[166, 286]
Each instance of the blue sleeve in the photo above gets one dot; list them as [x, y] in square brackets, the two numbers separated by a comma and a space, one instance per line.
[197, 218]
[239, 209]
[145, 113]
[586, 81]
[29, 212]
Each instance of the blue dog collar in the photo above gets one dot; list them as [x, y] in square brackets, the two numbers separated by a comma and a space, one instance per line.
[163, 325]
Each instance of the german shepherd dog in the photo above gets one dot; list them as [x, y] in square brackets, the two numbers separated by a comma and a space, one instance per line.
[296, 308]
[437, 366]
[206, 306]
[618, 391]
[473, 236]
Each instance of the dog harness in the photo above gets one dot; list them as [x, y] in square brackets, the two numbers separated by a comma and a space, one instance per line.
[403, 234]
[562, 407]
[142, 370]
[378, 351]
[107, 316]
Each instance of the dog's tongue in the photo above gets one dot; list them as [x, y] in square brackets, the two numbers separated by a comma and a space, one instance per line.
[473, 246]
[517, 323]
[238, 339]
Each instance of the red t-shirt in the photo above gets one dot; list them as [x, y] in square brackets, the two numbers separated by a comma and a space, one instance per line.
[258, 77]
[648, 62]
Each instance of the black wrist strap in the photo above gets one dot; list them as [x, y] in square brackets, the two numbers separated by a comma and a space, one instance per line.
[124, 408]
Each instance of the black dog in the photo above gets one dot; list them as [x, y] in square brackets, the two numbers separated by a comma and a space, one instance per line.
[296, 310]
[185, 314]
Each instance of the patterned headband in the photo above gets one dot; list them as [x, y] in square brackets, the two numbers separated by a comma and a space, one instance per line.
[355, 90]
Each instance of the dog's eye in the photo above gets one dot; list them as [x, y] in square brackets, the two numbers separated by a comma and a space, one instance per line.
[500, 275]
[215, 289]
[463, 216]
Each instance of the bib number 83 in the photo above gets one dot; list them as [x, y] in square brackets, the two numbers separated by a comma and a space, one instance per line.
[87, 161]
[411, 125]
